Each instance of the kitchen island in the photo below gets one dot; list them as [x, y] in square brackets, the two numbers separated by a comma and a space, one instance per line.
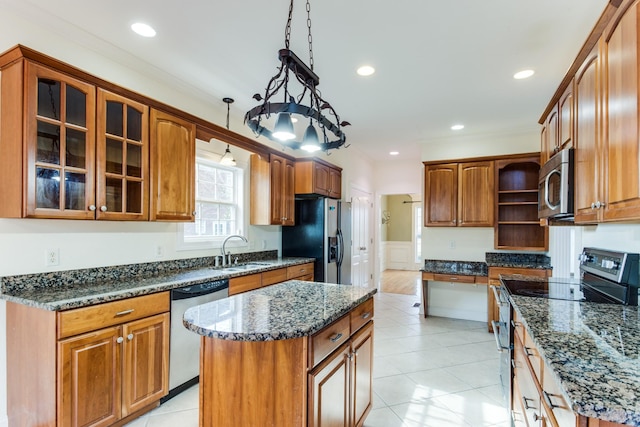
[591, 351]
[292, 354]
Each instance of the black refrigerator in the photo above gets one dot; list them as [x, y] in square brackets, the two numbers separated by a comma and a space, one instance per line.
[323, 232]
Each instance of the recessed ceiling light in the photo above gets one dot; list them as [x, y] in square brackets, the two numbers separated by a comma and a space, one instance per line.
[366, 70]
[457, 127]
[524, 74]
[143, 29]
[394, 153]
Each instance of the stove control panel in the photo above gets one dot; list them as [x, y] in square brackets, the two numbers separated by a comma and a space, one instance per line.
[620, 267]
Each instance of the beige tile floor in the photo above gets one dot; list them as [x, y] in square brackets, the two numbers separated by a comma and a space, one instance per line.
[436, 372]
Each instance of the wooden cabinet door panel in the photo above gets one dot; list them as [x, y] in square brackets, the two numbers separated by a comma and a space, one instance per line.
[335, 183]
[552, 132]
[60, 145]
[288, 193]
[244, 283]
[122, 158]
[476, 194]
[146, 362]
[441, 195]
[362, 374]
[565, 122]
[89, 379]
[321, 179]
[622, 147]
[173, 161]
[587, 139]
[329, 391]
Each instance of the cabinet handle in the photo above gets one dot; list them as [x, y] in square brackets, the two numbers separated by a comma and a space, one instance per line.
[92, 208]
[336, 337]
[547, 399]
[537, 417]
[527, 352]
[515, 324]
[103, 208]
[193, 213]
[593, 205]
[120, 340]
[366, 315]
[525, 401]
[130, 337]
[513, 364]
[125, 312]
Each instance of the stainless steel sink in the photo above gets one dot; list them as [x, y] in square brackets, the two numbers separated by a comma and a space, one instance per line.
[245, 267]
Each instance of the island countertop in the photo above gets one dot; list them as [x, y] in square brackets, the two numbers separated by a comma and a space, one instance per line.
[593, 350]
[286, 310]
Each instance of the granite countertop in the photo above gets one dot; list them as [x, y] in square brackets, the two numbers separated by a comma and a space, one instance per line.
[286, 310]
[466, 268]
[66, 290]
[492, 259]
[593, 350]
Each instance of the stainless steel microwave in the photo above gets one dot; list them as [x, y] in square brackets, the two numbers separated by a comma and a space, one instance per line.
[555, 186]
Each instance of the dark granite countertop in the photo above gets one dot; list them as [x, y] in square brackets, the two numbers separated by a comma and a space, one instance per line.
[79, 288]
[493, 259]
[593, 350]
[467, 268]
[286, 310]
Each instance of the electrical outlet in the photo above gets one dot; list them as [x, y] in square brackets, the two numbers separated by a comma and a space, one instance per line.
[52, 257]
[452, 244]
[159, 251]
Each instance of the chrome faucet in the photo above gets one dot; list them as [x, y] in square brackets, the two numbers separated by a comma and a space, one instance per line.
[226, 261]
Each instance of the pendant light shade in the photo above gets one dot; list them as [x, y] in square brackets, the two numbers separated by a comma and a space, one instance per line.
[310, 141]
[227, 158]
[284, 127]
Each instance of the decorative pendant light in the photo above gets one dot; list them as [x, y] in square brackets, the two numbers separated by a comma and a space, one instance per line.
[227, 158]
[282, 83]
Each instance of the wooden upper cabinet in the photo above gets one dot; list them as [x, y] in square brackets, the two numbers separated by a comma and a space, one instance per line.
[317, 177]
[587, 138]
[173, 159]
[122, 158]
[565, 120]
[272, 184]
[550, 146]
[476, 194]
[621, 145]
[441, 195]
[57, 148]
[459, 194]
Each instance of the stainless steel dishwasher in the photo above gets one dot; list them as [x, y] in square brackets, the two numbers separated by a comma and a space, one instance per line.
[184, 345]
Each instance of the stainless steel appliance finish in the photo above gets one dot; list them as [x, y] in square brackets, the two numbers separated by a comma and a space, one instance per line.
[606, 276]
[323, 232]
[555, 186]
[184, 346]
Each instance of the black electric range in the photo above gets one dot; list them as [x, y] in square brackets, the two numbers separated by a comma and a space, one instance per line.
[605, 277]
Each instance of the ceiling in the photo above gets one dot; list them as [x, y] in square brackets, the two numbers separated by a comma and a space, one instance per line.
[438, 62]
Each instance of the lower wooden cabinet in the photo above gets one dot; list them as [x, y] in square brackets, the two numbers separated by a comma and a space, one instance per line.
[107, 365]
[250, 282]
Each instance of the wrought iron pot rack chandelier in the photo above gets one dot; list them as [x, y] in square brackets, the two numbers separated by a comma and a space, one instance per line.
[318, 111]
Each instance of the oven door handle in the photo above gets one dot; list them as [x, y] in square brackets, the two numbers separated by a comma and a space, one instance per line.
[496, 335]
[497, 296]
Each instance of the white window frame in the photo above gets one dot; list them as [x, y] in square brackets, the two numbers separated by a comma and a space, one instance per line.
[213, 242]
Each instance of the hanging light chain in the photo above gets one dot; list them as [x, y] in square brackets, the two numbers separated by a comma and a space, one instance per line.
[287, 29]
[309, 37]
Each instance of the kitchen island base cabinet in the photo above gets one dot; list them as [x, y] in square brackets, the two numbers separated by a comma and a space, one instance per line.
[320, 380]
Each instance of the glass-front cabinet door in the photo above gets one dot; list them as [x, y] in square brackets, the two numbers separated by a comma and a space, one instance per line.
[122, 158]
[60, 143]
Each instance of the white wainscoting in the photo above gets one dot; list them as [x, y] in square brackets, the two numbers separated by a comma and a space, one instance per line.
[398, 256]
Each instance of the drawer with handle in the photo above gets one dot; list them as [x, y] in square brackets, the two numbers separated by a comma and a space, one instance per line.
[323, 342]
[296, 271]
[361, 315]
[85, 319]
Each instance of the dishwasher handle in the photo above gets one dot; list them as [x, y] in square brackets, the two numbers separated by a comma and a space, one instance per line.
[200, 289]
